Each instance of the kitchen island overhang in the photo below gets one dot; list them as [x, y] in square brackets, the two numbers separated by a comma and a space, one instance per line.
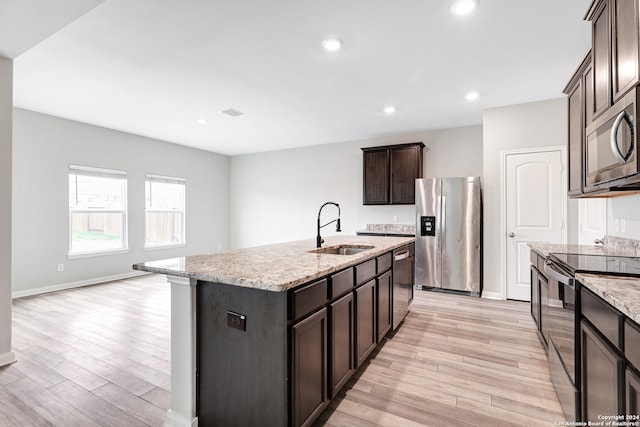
[217, 356]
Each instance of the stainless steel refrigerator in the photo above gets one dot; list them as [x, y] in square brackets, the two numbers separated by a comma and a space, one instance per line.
[448, 251]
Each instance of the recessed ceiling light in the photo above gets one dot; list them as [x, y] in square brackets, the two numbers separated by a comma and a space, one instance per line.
[471, 96]
[463, 7]
[232, 112]
[332, 44]
[202, 121]
[389, 109]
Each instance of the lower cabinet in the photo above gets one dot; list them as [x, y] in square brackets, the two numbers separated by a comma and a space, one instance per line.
[384, 300]
[632, 388]
[365, 320]
[342, 341]
[602, 375]
[309, 358]
[535, 297]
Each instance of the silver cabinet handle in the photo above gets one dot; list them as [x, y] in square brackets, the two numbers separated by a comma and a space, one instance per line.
[512, 234]
[401, 256]
[613, 140]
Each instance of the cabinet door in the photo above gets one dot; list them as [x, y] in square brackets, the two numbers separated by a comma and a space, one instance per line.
[535, 297]
[632, 391]
[600, 50]
[365, 320]
[309, 370]
[602, 372]
[376, 177]
[384, 304]
[624, 46]
[342, 342]
[406, 166]
[576, 130]
[544, 308]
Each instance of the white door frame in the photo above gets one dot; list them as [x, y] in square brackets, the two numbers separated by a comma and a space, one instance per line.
[503, 204]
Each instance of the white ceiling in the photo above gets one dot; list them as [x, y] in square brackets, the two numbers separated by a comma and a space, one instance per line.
[153, 67]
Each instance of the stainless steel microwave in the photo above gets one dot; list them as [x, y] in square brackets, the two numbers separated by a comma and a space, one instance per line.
[610, 151]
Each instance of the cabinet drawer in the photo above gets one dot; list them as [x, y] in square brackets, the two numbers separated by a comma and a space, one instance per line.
[533, 257]
[384, 262]
[605, 318]
[540, 263]
[632, 342]
[307, 299]
[365, 271]
[341, 282]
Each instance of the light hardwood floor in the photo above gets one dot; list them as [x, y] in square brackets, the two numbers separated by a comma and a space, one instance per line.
[100, 356]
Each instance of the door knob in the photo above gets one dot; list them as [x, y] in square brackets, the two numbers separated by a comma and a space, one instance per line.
[512, 234]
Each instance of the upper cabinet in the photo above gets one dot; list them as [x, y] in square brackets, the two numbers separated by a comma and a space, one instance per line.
[580, 94]
[389, 173]
[604, 104]
[615, 51]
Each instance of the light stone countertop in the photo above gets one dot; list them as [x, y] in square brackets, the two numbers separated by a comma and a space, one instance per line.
[545, 249]
[621, 292]
[278, 267]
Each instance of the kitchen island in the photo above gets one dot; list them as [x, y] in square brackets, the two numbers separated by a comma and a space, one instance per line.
[268, 335]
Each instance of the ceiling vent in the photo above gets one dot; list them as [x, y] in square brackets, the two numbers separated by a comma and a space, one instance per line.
[232, 112]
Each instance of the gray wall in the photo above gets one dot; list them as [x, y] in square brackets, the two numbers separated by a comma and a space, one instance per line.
[44, 146]
[6, 103]
[275, 196]
[536, 124]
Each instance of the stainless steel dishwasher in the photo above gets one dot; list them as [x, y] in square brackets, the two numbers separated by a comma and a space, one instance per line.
[403, 268]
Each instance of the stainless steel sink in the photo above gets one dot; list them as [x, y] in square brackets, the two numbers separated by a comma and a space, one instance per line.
[342, 249]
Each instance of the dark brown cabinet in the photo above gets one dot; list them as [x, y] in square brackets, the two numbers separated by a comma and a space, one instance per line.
[383, 294]
[632, 392]
[580, 95]
[342, 342]
[365, 320]
[602, 375]
[389, 173]
[615, 47]
[309, 368]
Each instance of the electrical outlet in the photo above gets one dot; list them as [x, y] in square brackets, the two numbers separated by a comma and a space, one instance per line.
[60, 267]
[623, 225]
[236, 320]
[616, 225]
[395, 218]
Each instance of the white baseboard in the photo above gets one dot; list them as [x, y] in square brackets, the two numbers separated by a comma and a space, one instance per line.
[175, 419]
[78, 284]
[492, 295]
[7, 358]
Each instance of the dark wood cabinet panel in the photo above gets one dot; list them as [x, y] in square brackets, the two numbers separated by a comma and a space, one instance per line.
[535, 297]
[309, 368]
[376, 177]
[601, 32]
[365, 320]
[384, 300]
[342, 342]
[308, 298]
[632, 392]
[606, 319]
[602, 373]
[406, 166]
[624, 46]
[389, 173]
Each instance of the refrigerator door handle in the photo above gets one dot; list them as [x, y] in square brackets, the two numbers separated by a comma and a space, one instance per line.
[443, 220]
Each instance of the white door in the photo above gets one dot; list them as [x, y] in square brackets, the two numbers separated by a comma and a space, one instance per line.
[535, 202]
[593, 220]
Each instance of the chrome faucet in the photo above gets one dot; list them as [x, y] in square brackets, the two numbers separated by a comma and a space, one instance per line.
[320, 240]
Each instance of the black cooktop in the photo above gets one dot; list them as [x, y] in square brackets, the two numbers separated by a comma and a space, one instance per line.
[598, 264]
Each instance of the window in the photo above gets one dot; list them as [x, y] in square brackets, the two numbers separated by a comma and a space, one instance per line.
[164, 211]
[97, 210]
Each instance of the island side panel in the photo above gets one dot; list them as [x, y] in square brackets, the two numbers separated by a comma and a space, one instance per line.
[242, 375]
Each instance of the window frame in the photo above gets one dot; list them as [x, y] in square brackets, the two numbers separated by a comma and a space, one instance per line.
[151, 178]
[105, 173]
